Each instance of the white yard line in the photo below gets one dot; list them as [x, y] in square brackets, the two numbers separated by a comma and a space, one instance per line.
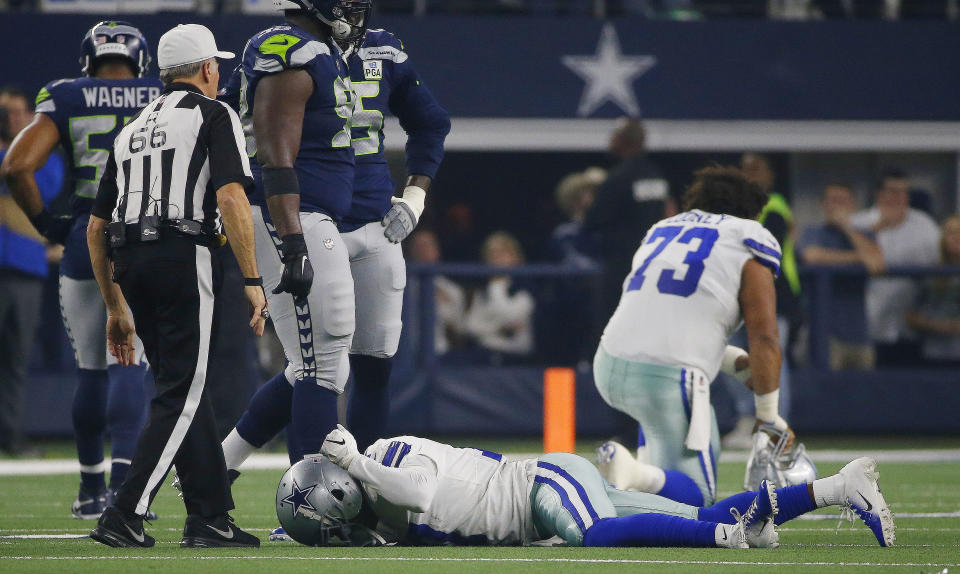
[493, 560]
[280, 461]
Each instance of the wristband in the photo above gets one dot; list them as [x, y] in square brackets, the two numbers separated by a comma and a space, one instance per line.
[729, 363]
[42, 221]
[768, 409]
[415, 197]
[280, 181]
[253, 281]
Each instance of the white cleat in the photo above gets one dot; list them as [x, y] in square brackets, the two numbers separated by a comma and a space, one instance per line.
[758, 521]
[616, 464]
[732, 535]
[862, 497]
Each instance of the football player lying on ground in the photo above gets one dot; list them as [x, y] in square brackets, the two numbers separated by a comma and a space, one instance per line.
[416, 491]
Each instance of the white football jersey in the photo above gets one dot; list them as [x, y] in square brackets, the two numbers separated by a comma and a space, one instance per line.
[478, 497]
[680, 302]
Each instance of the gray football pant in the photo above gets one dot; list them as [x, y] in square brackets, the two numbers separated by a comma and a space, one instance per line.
[315, 332]
[569, 496]
[657, 398]
[379, 277]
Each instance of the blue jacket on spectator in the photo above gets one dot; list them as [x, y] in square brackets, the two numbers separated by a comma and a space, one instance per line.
[18, 250]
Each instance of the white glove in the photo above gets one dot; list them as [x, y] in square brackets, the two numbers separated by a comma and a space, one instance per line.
[340, 447]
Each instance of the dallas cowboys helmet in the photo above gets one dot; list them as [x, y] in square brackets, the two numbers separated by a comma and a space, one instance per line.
[775, 459]
[316, 500]
[114, 38]
[347, 18]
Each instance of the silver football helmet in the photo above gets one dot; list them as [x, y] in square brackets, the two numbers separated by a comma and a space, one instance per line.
[774, 458]
[316, 500]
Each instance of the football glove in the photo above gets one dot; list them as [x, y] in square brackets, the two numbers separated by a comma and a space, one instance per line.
[340, 447]
[297, 278]
[404, 215]
[54, 228]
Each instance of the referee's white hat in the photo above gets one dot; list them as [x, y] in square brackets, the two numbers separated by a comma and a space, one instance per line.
[188, 44]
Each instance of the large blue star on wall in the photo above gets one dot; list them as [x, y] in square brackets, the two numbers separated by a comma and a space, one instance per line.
[298, 498]
[609, 75]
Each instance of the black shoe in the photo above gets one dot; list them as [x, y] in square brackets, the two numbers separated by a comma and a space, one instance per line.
[121, 530]
[150, 516]
[216, 532]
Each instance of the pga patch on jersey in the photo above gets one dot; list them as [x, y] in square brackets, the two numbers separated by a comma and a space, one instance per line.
[373, 70]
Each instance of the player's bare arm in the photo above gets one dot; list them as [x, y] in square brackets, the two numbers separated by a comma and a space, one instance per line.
[758, 303]
[238, 224]
[120, 329]
[28, 153]
[278, 125]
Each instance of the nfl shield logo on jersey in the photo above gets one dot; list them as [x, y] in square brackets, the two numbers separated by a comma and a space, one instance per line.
[373, 70]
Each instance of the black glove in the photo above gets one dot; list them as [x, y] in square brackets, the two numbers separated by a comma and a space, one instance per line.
[54, 228]
[297, 275]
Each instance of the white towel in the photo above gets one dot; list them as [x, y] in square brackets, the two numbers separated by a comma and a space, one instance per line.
[698, 391]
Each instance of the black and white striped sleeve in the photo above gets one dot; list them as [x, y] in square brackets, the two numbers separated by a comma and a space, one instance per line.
[227, 148]
[107, 194]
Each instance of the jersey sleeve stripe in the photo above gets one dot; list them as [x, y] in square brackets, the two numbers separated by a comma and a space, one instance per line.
[404, 451]
[761, 248]
[391, 453]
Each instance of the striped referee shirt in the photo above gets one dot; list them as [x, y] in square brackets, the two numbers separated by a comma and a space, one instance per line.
[171, 159]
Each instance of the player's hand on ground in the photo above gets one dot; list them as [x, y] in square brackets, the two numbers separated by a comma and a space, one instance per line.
[340, 447]
[297, 277]
[257, 301]
[120, 338]
[399, 221]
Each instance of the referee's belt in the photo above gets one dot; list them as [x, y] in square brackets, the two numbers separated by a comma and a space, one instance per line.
[121, 234]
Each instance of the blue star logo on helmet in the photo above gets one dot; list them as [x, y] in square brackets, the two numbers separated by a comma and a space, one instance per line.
[298, 498]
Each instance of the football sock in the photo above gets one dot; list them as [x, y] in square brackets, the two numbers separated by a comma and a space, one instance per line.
[720, 512]
[126, 413]
[89, 422]
[369, 405]
[680, 487]
[828, 491]
[793, 501]
[236, 450]
[651, 530]
[267, 414]
[314, 414]
[293, 447]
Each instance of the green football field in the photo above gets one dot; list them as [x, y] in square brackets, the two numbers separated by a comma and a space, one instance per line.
[37, 534]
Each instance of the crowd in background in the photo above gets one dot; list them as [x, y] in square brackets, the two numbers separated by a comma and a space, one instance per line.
[669, 9]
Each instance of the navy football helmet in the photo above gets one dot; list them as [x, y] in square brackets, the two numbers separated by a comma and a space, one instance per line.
[113, 38]
[347, 18]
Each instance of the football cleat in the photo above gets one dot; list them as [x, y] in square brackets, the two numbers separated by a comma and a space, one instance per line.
[219, 532]
[732, 535]
[278, 534]
[112, 498]
[89, 506]
[121, 530]
[862, 497]
[616, 464]
[758, 521]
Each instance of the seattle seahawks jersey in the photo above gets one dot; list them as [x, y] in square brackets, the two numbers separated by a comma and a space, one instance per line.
[680, 302]
[479, 498]
[384, 82]
[89, 113]
[324, 162]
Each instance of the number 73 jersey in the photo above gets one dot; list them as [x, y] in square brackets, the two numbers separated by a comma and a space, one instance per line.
[680, 302]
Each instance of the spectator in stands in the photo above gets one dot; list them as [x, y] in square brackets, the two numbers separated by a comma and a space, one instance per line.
[937, 318]
[574, 196]
[907, 237]
[424, 247]
[634, 196]
[19, 110]
[837, 243]
[23, 267]
[500, 317]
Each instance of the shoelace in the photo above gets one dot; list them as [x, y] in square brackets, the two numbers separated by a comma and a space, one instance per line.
[850, 513]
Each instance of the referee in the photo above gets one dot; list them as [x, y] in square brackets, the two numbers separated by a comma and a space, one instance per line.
[174, 170]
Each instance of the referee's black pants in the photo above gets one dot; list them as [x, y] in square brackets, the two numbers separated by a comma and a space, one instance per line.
[170, 285]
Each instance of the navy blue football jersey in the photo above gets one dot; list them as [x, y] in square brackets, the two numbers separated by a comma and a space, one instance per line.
[385, 82]
[89, 113]
[325, 161]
